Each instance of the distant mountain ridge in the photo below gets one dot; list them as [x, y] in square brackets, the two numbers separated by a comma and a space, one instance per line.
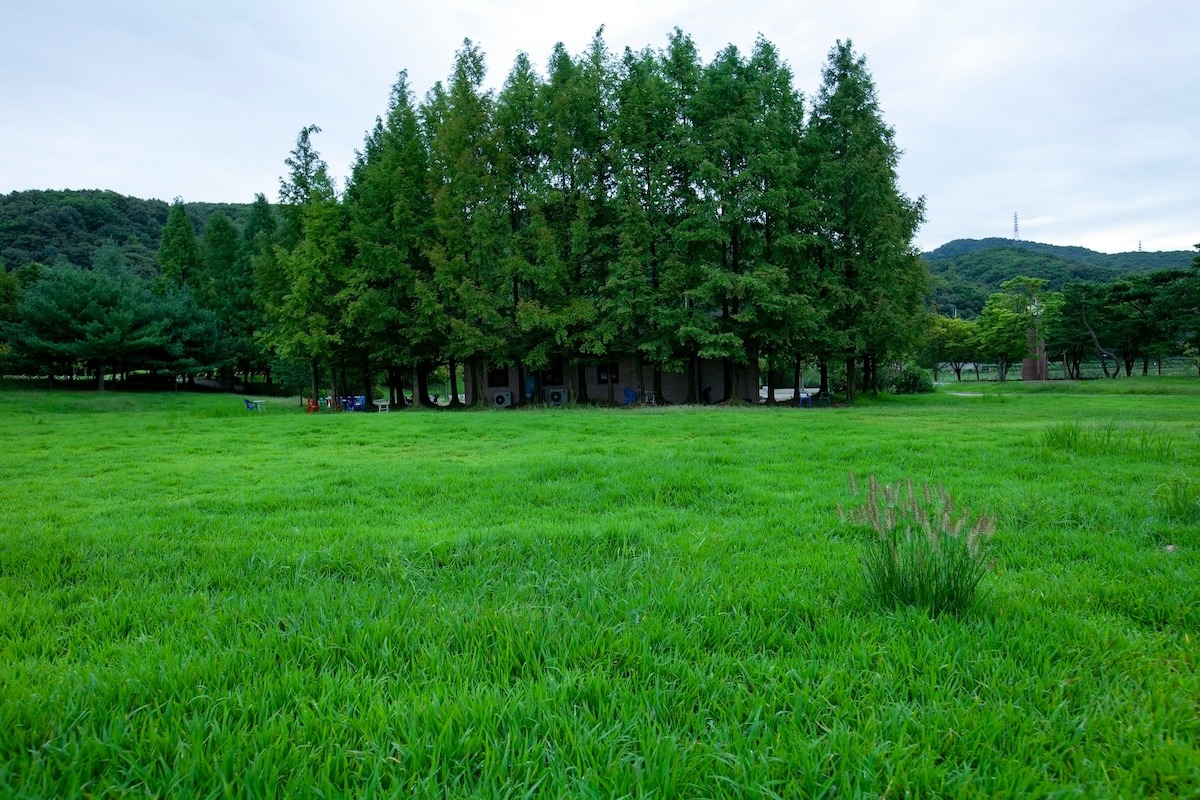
[966, 271]
[1124, 263]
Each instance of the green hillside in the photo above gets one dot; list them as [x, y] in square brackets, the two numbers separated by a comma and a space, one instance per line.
[966, 271]
[43, 226]
[1122, 263]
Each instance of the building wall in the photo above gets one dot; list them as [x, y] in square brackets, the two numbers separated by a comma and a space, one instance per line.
[674, 384]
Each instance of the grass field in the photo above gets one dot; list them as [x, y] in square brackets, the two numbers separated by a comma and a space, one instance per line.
[197, 601]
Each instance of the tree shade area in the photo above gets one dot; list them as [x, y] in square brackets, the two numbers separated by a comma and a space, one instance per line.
[645, 207]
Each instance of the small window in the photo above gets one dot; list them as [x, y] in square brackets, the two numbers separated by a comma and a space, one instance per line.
[553, 375]
[607, 373]
[497, 378]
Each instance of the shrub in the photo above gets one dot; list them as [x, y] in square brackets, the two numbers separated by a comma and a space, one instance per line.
[911, 379]
[924, 553]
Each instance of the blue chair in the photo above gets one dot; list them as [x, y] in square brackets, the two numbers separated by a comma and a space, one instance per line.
[804, 399]
[252, 405]
[360, 403]
[630, 396]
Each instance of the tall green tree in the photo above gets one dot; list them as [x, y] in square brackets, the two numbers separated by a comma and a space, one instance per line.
[872, 281]
[9, 297]
[1015, 319]
[218, 255]
[240, 310]
[390, 212]
[527, 244]
[178, 252]
[467, 219]
[951, 340]
[305, 321]
[560, 319]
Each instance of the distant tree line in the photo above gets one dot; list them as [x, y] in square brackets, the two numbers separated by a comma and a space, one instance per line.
[1126, 324]
[646, 206]
[965, 272]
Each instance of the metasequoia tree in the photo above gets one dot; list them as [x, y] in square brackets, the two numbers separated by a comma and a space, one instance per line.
[871, 279]
[304, 318]
[650, 207]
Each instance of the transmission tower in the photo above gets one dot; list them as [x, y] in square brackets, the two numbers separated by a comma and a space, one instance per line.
[1016, 229]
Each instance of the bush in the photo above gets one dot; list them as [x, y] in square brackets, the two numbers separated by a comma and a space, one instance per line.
[923, 553]
[911, 379]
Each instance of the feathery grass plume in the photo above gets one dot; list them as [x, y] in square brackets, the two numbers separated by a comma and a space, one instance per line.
[919, 555]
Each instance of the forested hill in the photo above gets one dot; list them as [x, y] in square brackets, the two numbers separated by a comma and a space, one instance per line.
[1121, 263]
[42, 226]
[966, 271]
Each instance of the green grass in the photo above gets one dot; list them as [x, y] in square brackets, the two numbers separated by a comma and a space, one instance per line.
[200, 601]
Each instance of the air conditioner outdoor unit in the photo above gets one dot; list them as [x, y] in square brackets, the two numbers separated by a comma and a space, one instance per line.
[556, 397]
[503, 400]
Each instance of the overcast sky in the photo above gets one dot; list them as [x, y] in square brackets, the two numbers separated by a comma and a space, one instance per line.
[1081, 117]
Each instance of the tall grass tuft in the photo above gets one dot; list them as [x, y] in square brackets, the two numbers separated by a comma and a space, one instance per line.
[925, 552]
[1108, 439]
[1180, 498]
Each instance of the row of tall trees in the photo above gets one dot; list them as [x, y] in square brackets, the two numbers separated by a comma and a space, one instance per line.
[1130, 322]
[649, 206]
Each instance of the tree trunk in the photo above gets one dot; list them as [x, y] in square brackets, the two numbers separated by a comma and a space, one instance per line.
[581, 391]
[851, 364]
[823, 367]
[368, 381]
[770, 383]
[316, 385]
[658, 389]
[421, 386]
[454, 401]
